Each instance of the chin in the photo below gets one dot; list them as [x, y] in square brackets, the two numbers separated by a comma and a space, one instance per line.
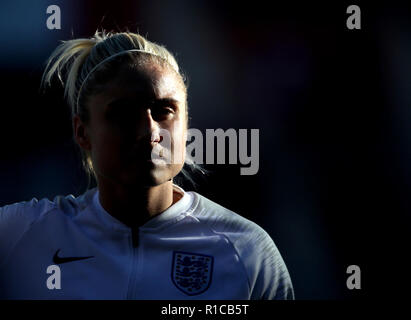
[150, 178]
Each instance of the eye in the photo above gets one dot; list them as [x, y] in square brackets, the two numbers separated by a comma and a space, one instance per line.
[161, 112]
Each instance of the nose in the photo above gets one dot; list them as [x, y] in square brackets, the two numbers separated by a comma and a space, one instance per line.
[149, 129]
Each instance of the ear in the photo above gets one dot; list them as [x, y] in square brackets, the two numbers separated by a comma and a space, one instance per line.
[81, 133]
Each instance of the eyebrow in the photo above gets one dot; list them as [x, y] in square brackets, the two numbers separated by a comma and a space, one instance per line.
[127, 100]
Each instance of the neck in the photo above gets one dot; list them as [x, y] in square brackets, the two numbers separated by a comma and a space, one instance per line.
[135, 206]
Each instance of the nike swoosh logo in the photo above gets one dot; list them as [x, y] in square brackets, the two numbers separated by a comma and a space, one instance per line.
[60, 260]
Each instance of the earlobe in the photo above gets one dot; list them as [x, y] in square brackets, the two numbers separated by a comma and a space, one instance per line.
[80, 133]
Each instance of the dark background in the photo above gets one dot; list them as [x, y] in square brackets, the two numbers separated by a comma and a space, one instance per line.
[332, 106]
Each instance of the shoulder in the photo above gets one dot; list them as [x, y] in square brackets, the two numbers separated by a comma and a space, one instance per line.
[222, 220]
[35, 209]
[24, 211]
[267, 272]
[17, 218]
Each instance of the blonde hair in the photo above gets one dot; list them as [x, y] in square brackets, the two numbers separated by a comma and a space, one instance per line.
[82, 65]
[73, 61]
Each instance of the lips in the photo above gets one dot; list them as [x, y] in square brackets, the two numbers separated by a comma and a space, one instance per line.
[159, 153]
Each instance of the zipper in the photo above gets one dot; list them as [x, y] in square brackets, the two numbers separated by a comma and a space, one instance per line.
[134, 237]
[135, 263]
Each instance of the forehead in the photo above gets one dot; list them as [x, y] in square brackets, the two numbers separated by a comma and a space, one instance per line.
[149, 81]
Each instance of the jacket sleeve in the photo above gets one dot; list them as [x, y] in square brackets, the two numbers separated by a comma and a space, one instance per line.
[270, 277]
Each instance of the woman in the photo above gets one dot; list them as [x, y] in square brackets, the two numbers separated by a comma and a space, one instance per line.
[136, 235]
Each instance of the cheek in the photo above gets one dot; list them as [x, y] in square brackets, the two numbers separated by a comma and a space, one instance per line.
[105, 141]
[106, 149]
[179, 134]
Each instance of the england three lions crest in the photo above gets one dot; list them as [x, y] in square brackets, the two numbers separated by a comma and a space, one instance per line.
[192, 272]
